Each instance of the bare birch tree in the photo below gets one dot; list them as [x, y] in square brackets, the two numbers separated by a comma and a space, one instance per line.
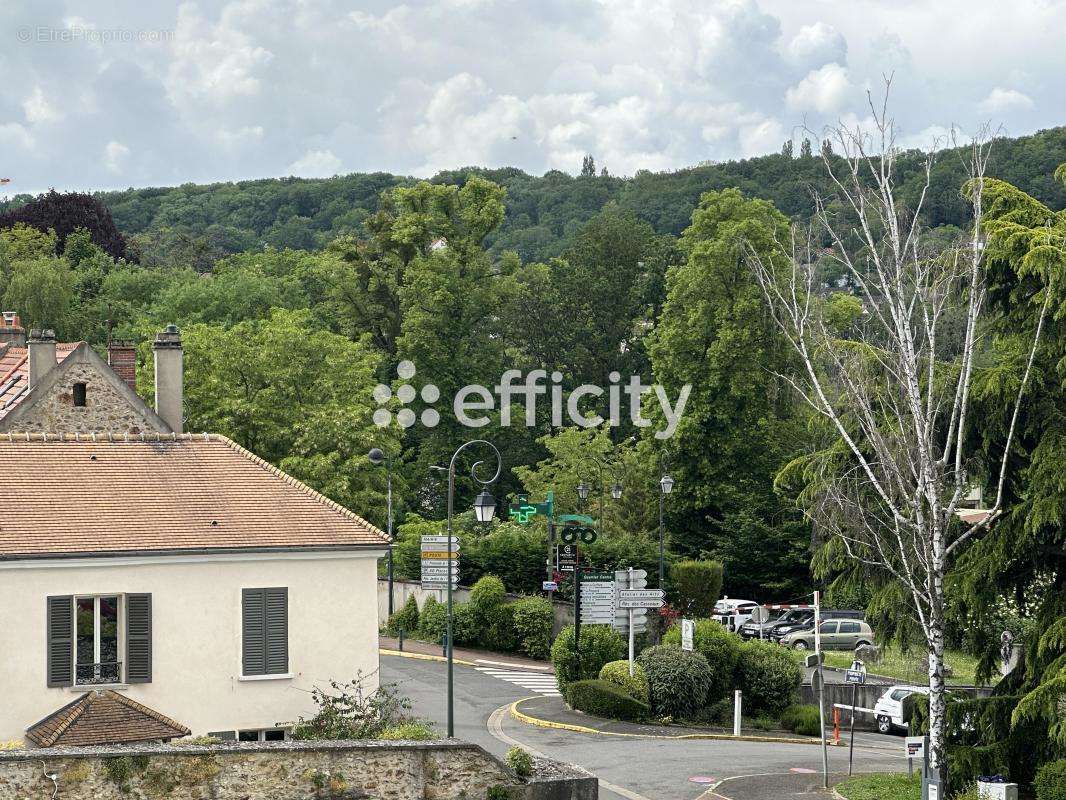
[896, 394]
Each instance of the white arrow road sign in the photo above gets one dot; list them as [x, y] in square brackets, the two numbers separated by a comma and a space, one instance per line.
[440, 562]
[441, 547]
[622, 575]
[640, 594]
[440, 571]
[440, 540]
[641, 603]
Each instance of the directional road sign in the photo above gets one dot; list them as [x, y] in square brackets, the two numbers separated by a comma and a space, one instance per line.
[434, 540]
[440, 554]
[640, 598]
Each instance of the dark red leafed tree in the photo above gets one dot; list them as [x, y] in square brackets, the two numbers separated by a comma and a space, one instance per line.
[64, 213]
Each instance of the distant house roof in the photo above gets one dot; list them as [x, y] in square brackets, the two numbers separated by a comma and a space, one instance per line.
[101, 495]
[103, 717]
[15, 373]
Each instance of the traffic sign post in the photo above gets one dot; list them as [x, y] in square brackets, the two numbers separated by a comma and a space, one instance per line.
[439, 562]
[856, 676]
[688, 630]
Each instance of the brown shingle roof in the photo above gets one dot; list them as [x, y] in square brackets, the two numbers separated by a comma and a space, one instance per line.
[103, 717]
[15, 373]
[162, 493]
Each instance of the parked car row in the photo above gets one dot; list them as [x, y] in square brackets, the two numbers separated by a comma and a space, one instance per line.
[841, 629]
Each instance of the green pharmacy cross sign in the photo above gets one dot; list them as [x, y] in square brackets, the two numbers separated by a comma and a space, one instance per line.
[522, 511]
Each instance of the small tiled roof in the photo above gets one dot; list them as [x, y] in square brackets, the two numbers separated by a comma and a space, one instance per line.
[15, 373]
[103, 717]
[95, 495]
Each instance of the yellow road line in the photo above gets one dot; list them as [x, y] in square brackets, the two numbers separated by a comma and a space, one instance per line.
[423, 656]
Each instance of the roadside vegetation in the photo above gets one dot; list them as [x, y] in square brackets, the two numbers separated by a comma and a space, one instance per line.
[905, 667]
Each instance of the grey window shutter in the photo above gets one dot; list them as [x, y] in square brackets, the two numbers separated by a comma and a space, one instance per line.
[60, 632]
[253, 635]
[138, 638]
[277, 631]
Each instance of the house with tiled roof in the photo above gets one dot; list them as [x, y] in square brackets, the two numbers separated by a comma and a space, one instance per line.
[156, 582]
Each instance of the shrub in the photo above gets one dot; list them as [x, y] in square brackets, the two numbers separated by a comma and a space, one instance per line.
[533, 620]
[497, 632]
[433, 620]
[520, 762]
[605, 699]
[769, 677]
[678, 681]
[466, 624]
[599, 644]
[350, 712]
[635, 685]
[414, 731]
[488, 593]
[721, 649]
[405, 619]
[698, 585]
[802, 719]
[1050, 783]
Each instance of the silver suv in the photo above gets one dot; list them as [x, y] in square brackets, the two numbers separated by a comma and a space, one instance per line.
[844, 634]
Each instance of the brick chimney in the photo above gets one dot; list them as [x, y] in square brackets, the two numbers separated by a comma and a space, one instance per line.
[122, 358]
[11, 331]
[169, 377]
[42, 354]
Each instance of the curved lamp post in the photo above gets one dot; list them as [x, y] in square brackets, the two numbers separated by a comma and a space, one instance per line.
[377, 457]
[484, 509]
[583, 489]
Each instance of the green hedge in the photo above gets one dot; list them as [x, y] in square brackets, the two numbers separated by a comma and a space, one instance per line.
[604, 699]
[698, 585]
[678, 681]
[599, 644]
[1050, 783]
[769, 677]
[802, 719]
[721, 649]
[533, 622]
[433, 620]
[406, 619]
[635, 685]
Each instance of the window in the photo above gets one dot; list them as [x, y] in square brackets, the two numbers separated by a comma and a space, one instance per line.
[88, 635]
[849, 627]
[899, 694]
[261, 735]
[225, 736]
[828, 627]
[79, 395]
[265, 631]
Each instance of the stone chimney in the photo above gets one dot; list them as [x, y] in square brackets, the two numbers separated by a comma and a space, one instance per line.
[122, 358]
[11, 331]
[42, 354]
[169, 377]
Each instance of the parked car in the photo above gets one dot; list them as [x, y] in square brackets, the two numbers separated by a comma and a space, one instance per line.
[732, 613]
[754, 630]
[888, 710]
[844, 634]
[803, 620]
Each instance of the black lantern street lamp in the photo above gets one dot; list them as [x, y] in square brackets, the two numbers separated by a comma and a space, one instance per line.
[583, 490]
[377, 457]
[666, 485]
[485, 507]
[616, 491]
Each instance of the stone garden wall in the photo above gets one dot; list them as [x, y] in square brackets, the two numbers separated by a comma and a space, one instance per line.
[278, 771]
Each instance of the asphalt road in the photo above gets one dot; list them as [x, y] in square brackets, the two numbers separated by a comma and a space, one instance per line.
[631, 768]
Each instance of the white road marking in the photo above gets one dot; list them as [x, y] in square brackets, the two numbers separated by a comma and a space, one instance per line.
[541, 684]
[509, 664]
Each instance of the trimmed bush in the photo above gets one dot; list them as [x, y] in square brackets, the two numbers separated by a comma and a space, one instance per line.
[405, 619]
[488, 593]
[635, 685]
[1050, 783]
[678, 681]
[433, 620]
[698, 585]
[605, 699]
[802, 719]
[769, 677]
[721, 649]
[533, 619]
[466, 625]
[599, 644]
[498, 632]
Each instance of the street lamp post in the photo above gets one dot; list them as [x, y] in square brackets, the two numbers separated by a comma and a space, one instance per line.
[583, 489]
[377, 458]
[666, 485]
[484, 509]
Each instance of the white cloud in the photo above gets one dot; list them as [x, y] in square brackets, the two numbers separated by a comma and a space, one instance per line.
[824, 90]
[115, 154]
[817, 44]
[1003, 101]
[315, 164]
[37, 108]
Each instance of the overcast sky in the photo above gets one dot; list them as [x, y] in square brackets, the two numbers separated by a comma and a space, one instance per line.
[117, 93]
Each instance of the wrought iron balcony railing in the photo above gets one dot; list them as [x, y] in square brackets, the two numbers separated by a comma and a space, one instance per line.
[102, 672]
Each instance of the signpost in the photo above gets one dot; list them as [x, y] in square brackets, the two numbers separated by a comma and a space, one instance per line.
[440, 562]
[856, 676]
[549, 586]
[566, 557]
[688, 629]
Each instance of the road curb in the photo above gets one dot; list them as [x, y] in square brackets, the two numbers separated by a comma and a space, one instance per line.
[528, 719]
[423, 656]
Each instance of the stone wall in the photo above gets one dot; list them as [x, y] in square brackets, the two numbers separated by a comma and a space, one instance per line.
[105, 409]
[447, 770]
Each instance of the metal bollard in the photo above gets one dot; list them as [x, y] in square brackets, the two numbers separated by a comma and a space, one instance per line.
[401, 640]
[737, 704]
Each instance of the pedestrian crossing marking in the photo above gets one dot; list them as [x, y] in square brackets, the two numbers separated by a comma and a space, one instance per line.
[534, 681]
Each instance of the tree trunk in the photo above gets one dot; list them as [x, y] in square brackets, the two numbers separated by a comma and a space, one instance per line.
[938, 761]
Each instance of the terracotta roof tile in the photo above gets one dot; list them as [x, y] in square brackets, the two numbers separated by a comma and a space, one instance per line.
[15, 371]
[103, 717]
[96, 495]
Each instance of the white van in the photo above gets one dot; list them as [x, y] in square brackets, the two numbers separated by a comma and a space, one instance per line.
[888, 710]
[733, 613]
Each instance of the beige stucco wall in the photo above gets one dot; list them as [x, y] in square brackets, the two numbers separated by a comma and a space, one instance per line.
[196, 634]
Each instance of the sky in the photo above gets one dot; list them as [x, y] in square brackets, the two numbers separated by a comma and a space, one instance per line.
[117, 93]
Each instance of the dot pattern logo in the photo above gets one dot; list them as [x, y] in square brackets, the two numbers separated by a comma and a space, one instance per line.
[406, 394]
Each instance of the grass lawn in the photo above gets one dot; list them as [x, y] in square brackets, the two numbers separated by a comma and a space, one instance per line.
[904, 667]
[882, 787]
